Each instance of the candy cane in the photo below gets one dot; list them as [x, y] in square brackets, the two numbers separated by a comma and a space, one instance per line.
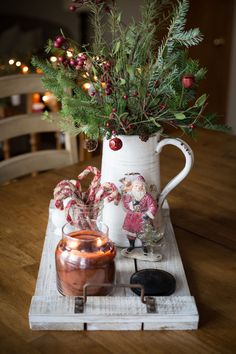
[90, 194]
[72, 185]
[80, 207]
[109, 192]
[65, 189]
[75, 211]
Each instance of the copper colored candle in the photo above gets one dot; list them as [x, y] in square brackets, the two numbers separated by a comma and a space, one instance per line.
[84, 256]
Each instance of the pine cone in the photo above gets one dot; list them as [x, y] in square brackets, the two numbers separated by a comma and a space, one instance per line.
[91, 145]
[143, 137]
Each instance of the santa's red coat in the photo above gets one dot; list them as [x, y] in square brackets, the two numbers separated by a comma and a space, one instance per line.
[133, 222]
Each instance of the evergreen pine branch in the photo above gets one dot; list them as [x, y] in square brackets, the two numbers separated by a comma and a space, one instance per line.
[210, 122]
[45, 66]
[188, 38]
[52, 86]
[97, 22]
[216, 127]
[200, 74]
[49, 46]
[176, 33]
[179, 17]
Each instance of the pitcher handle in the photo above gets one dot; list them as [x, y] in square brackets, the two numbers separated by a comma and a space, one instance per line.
[189, 160]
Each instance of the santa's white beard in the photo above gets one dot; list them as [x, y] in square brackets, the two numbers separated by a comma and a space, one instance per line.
[138, 195]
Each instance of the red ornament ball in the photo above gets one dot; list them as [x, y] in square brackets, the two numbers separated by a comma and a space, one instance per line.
[59, 41]
[188, 81]
[115, 144]
[56, 44]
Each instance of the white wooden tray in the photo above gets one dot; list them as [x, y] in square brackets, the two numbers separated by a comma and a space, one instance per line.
[122, 310]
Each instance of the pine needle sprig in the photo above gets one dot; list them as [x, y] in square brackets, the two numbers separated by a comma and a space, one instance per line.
[97, 19]
[188, 38]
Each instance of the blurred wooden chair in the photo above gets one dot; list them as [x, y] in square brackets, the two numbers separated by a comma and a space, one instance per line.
[31, 123]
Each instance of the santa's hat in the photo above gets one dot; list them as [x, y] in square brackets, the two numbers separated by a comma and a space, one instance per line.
[140, 178]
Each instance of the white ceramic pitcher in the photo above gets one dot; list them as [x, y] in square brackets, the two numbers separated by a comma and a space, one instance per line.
[137, 156]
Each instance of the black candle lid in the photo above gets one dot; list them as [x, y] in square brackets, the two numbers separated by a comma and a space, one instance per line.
[156, 282]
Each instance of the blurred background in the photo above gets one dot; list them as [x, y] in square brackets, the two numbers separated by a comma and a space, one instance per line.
[26, 25]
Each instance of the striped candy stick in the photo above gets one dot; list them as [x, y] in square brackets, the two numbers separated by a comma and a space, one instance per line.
[75, 212]
[95, 184]
[65, 189]
[107, 191]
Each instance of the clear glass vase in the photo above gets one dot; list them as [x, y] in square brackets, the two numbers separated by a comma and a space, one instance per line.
[153, 236]
[81, 215]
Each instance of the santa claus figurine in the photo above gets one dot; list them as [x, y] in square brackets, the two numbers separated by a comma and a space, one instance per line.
[140, 207]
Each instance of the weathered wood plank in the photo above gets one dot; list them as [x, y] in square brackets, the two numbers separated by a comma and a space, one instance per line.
[108, 311]
[171, 261]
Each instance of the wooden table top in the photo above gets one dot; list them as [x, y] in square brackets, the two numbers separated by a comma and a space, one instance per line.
[203, 213]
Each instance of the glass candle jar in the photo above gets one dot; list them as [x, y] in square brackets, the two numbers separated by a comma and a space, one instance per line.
[84, 256]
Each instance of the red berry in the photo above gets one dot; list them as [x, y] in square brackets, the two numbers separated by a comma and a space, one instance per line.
[188, 81]
[135, 93]
[83, 57]
[72, 8]
[72, 62]
[125, 97]
[115, 144]
[61, 59]
[110, 124]
[114, 110]
[80, 61]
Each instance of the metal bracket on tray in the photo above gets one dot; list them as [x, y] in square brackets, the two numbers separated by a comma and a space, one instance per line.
[149, 301]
